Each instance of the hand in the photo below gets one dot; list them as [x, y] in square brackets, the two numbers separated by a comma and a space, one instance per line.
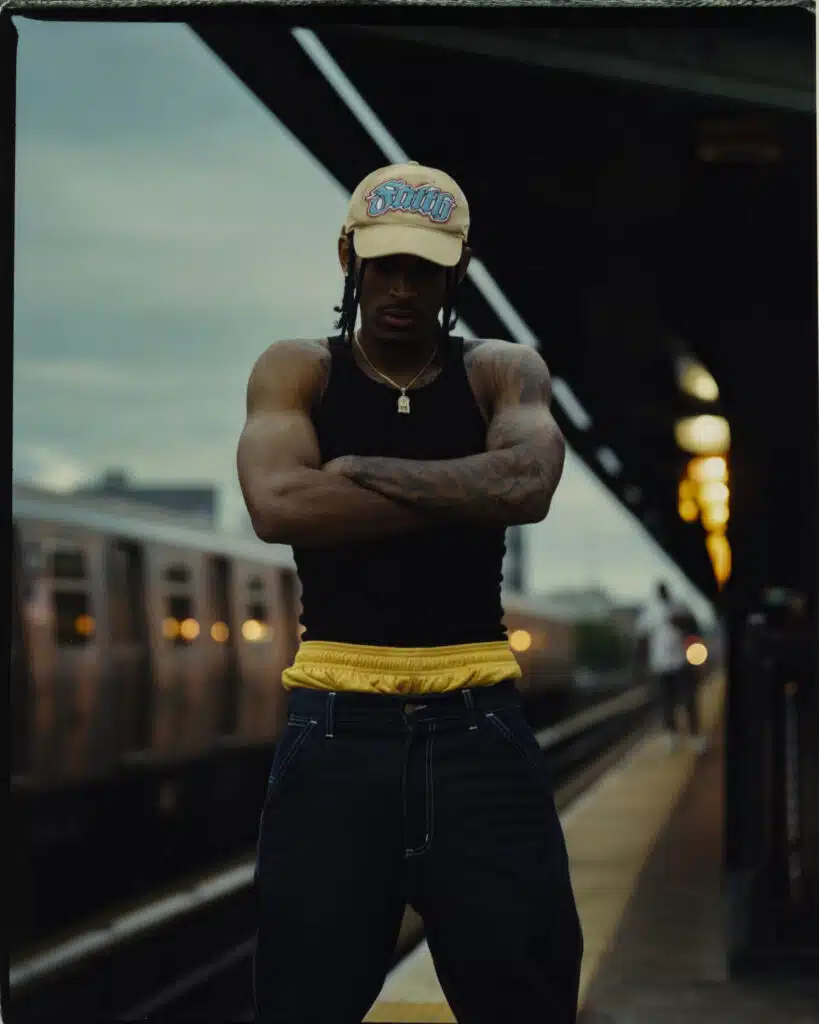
[342, 466]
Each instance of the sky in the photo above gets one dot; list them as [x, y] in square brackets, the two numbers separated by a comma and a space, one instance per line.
[168, 229]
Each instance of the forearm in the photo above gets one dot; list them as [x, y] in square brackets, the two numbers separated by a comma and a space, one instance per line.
[317, 509]
[501, 488]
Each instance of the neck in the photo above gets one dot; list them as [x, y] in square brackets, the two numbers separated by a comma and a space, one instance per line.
[404, 358]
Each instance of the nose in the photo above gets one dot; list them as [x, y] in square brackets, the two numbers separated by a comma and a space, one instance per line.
[402, 285]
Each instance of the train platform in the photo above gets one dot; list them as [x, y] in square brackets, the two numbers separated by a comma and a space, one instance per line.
[645, 850]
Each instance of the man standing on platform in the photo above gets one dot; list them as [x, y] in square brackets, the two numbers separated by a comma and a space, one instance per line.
[662, 627]
[392, 458]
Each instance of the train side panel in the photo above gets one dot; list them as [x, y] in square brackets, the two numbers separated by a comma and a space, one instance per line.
[64, 614]
[183, 712]
[265, 630]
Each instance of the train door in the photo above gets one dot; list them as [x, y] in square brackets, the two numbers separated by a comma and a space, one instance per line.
[130, 657]
[73, 564]
[223, 634]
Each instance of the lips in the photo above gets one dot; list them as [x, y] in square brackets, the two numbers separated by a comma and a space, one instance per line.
[397, 317]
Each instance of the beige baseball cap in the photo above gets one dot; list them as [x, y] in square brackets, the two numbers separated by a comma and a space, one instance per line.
[409, 208]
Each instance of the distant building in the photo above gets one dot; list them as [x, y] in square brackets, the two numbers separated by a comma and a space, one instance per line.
[198, 502]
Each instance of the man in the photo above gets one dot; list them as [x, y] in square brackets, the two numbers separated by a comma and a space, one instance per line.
[392, 458]
[663, 626]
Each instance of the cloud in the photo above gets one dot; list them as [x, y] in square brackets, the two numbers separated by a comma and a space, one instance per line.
[80, 375]
[158, 234]
[49, 467]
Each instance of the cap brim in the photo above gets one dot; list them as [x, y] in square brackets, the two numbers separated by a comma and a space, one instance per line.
[377, 240]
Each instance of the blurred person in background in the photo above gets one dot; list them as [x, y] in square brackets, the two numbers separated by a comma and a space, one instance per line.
[662, 628]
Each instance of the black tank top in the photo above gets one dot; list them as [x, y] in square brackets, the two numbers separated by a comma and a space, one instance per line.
[432, 587]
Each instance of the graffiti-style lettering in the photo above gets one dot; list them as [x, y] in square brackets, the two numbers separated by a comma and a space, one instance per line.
[398, 195]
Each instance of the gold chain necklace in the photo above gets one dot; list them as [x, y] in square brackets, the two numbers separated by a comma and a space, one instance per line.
[403, 401]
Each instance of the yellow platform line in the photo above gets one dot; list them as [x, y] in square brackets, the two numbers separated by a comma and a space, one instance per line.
[610, 833]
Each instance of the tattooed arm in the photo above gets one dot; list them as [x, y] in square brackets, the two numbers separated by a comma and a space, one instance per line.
[513, 481]
[288, 497]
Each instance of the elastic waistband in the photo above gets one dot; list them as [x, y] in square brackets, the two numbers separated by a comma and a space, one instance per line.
[396, 671]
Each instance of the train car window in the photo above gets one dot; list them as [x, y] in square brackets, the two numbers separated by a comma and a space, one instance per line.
[259, 612]
[255, 585]
[179, 626]
[178, 573]
[256, 627]
[74, 623]
[68, 564]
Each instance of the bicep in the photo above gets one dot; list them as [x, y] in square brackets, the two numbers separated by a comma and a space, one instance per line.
[278, 436]
[274, 442]
[515, 425]
[521, 390]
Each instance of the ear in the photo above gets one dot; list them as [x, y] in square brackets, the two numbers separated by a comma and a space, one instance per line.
[343, 251]
[463, 263]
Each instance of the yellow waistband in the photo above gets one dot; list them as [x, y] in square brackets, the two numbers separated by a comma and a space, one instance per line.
[321, 665]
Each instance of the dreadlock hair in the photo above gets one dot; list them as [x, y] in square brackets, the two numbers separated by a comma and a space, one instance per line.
[449, 317]
[348, 310]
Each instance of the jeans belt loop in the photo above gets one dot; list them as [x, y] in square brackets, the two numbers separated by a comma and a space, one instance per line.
[469, 700]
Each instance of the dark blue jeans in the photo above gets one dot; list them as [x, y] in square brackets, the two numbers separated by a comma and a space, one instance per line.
[443, 802]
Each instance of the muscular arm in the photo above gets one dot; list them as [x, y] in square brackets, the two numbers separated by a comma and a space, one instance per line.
[289, 498]
[514, 480]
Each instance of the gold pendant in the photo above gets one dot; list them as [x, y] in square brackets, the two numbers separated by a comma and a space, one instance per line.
[403, 404]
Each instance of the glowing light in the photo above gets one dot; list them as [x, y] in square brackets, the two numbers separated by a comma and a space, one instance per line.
[710, 469]
[189, 629]
[84, 625]
[688, 510]
[170, 629]
[714, 517]
[696, 381]
[697, 653]
[253, 630]
[687, 490]
[520, 640]
[714, 493]
[719, 550]
[219, 632]
[703, 435]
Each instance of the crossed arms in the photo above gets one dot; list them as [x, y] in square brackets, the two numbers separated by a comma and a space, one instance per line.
[293, 499]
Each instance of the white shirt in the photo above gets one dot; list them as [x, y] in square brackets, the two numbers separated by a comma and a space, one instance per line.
[666, 643]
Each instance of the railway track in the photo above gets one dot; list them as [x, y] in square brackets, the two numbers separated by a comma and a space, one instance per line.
[186, 954]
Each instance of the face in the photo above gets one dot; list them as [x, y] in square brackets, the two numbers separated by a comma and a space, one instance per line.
[402, 295]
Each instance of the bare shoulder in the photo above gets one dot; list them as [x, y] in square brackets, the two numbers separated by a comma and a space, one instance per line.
[502, 368]
[297, 367]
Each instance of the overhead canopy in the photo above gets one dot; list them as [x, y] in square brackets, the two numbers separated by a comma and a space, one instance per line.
[600, 205]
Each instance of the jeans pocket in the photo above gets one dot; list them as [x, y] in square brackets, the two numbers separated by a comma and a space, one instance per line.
[296, 733]
[516, 732]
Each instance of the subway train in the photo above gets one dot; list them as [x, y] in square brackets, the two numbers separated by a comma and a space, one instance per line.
[140, 640]
[147, 655]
